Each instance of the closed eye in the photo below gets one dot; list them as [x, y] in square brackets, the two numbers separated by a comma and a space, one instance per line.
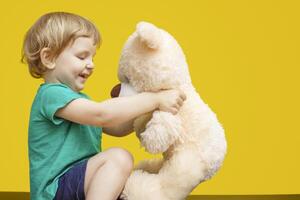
[81, 58]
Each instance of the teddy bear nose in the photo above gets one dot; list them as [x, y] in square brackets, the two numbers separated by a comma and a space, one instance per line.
[115, 91]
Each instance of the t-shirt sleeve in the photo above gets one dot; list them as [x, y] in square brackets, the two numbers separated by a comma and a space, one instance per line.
[56, 97]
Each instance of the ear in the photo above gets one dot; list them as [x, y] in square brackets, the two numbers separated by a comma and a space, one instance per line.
[45, 56]
[149, 34]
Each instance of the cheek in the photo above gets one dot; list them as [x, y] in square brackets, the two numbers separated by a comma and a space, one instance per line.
[74, 61]
[68, 58]
[75, 65]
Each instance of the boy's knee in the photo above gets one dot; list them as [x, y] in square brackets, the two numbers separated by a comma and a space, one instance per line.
[121, 158]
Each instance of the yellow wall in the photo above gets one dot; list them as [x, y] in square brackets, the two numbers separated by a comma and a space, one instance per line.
[244, 61]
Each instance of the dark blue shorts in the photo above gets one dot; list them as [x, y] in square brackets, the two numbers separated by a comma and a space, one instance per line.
[71, 184]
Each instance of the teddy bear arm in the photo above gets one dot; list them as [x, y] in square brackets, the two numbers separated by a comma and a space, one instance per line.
[161, 131]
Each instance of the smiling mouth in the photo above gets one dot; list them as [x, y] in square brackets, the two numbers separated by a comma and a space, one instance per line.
[84, 75]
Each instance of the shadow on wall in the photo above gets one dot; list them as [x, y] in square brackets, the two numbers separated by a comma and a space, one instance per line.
[25, 196]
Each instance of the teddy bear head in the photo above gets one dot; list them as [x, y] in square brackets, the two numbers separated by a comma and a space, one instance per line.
[152, 60]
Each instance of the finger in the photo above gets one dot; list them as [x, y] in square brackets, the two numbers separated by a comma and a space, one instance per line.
[177, 106]
[174, 111]
[183, 96]
[180, 103]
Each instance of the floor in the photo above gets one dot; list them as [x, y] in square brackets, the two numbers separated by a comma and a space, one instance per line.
[25, 196]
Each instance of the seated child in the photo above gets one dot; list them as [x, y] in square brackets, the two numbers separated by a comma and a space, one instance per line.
[65, 127]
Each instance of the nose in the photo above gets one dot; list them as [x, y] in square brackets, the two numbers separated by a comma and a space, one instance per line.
[115, 91]
[90, 65]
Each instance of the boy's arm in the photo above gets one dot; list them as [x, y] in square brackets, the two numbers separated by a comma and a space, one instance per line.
[120, 130]
[109, 113]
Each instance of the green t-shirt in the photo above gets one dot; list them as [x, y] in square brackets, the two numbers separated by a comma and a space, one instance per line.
[56, 144]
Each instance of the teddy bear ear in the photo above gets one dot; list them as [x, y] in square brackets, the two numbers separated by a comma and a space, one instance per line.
[149, 34]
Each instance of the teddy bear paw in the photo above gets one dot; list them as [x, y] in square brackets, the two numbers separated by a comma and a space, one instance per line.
[154, 140]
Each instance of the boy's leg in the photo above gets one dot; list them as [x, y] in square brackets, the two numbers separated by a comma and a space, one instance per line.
[71, 183]
[106, 174]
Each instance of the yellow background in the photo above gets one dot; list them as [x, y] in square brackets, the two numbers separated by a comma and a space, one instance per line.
[244, 62]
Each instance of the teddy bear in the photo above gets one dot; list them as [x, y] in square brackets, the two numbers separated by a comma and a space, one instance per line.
[192, 142]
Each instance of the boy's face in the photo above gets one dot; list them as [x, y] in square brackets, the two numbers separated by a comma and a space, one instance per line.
[75, 64]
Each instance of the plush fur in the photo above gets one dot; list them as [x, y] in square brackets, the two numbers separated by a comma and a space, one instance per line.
[192, 141]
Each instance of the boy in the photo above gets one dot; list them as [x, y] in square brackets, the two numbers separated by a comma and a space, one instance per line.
[64, 139]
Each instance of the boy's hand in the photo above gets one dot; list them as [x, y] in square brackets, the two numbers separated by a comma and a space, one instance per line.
[170, 100]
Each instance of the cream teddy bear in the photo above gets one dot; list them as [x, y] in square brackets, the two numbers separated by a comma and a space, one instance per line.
[192, 141]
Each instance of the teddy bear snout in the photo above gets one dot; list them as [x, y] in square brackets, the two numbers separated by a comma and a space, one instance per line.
[115, 91]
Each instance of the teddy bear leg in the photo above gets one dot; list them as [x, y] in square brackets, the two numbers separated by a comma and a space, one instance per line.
[152, 166]
[182, 173]
[143, 186]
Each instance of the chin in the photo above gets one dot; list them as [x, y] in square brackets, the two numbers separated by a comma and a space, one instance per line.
[79, 87]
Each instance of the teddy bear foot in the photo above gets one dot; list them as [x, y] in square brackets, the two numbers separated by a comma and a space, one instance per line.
[142, 185]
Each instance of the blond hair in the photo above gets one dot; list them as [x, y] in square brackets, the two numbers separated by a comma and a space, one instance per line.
[56, 31]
